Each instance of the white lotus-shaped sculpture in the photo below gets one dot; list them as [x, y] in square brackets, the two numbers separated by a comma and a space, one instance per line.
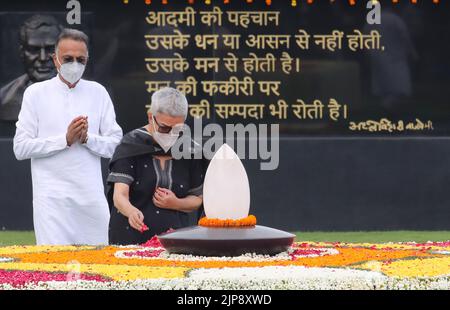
[226, 191]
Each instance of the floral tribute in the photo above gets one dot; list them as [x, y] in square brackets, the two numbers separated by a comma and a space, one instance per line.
[244, 222]
[306, 265]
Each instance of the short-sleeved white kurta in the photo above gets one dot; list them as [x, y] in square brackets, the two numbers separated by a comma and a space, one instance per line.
[69, 205]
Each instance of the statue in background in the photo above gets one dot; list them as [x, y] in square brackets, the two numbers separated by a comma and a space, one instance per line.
[38, 36]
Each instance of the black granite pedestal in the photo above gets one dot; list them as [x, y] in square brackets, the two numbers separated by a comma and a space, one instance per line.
[208, 241]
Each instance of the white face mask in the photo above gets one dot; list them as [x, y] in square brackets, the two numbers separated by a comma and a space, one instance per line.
[72, 71]
[165, 140]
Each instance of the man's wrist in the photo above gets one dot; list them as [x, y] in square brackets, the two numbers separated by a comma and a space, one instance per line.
[63, 141]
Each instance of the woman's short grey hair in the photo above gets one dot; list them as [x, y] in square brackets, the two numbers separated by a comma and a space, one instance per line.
[169, 101]
[73, 34]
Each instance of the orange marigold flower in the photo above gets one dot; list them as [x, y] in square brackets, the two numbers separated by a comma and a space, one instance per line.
[244, 222]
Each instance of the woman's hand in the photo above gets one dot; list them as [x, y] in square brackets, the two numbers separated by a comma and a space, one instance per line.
[122, 202]
[165, 199]
[136, 219]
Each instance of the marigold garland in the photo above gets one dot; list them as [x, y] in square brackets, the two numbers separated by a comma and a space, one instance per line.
[244, 222]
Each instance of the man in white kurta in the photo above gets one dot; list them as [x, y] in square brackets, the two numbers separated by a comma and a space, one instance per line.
[69, 205]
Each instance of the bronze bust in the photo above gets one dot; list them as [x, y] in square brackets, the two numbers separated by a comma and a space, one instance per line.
[38, 36]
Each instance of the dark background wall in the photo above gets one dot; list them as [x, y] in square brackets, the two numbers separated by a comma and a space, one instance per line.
[118, 51]
[321, 184]
[343, 182]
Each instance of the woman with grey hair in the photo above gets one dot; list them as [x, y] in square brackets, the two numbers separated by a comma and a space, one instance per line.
[150, 192]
